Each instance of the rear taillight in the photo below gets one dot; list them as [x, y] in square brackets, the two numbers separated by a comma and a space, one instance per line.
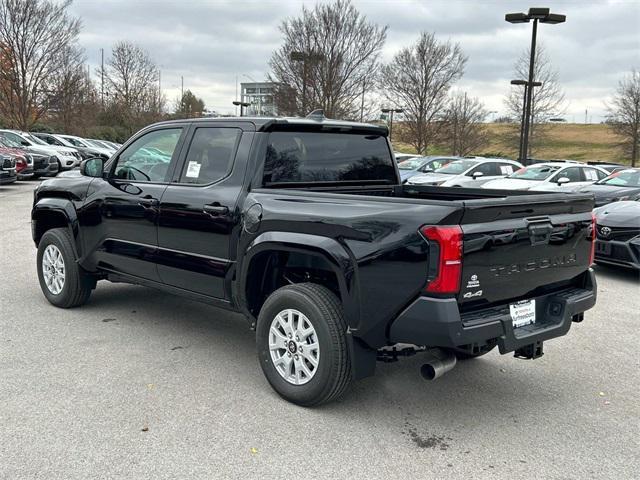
[449, 240]
[592, 254]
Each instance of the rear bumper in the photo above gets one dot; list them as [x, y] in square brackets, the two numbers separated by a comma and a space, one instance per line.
[437, 322]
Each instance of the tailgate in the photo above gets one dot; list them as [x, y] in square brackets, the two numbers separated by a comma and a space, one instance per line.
[517, 246]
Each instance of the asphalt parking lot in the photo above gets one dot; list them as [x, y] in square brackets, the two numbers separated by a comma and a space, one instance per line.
[138, 384]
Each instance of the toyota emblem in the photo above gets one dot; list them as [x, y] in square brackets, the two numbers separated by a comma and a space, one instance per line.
[605, 231]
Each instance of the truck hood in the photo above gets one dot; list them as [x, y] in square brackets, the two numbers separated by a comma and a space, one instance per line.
[73, 185]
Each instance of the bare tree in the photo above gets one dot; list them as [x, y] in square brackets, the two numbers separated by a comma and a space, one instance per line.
[624, 114]
[463, 129]
[131, 79]
[327, 55]
[418, 80]
[34, 35]
[547, 101]
[74, 103]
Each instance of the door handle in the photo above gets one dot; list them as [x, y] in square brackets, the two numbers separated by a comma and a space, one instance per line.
[215, 209]
[148, 202]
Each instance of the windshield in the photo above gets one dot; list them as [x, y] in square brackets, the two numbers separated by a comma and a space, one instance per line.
[13, 138]
[411, 164]
[94, 143]
[9, 142]
[35, 140]
[540, 172]
[74, 142]
[625, 178]
[457, 167]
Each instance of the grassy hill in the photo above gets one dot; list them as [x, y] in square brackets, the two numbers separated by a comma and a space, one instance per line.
[570, 141]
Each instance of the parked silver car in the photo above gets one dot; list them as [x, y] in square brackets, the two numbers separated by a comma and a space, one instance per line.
[550, 177]
[468, 172]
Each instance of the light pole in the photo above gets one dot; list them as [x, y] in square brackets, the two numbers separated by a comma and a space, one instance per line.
[522, 152]
[391, 111]
[305, 57]
[241, 105]
[542, 15]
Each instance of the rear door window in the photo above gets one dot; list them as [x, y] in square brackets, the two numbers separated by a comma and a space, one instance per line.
[327, 157]
[210, 155]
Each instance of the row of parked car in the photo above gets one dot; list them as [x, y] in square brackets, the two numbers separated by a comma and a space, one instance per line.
[25, 155]
[616, 189]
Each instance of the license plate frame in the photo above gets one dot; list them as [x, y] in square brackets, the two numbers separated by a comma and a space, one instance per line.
[523, 313]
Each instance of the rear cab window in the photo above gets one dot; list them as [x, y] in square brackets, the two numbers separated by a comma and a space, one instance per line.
[322, 157]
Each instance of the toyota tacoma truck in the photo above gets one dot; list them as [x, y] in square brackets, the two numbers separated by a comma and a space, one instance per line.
[303, 226]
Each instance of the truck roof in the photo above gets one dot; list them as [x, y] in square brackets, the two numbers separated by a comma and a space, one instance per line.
[264, 124]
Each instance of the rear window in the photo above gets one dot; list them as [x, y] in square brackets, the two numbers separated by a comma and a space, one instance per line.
[327, 157]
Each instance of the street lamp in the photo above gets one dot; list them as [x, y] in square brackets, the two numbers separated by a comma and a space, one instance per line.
[305, 57]
[542, 15]
[241, 104]
[391, 111]
[522, 154]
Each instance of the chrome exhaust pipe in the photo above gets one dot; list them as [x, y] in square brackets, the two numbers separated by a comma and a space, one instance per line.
[440, 362]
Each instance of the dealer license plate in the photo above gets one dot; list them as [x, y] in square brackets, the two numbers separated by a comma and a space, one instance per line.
[523, 313]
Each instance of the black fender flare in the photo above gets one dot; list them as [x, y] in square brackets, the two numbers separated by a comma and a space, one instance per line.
[62, 206]
[343, 264]
[335, 254]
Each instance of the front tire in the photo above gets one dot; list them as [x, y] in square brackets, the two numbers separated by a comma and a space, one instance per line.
[301, 338]
[64, 283]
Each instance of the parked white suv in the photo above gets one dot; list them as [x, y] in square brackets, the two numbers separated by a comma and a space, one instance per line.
[467, 172]
[550, 177]
[67, 157]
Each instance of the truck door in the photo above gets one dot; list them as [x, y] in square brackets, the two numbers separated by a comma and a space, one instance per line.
[124, 224]
[199, 213]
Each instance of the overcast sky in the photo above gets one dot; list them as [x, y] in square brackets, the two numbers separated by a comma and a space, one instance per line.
[211, 42]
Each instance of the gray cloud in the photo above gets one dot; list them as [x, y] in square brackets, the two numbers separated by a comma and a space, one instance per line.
[212, 42]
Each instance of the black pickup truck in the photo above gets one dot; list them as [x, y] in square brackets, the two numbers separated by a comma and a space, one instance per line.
[303, 226]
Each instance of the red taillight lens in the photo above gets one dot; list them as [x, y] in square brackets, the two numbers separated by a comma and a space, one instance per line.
[592, 254]
[449, 240]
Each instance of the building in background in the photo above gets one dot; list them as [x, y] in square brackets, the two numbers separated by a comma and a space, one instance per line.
[260, 97]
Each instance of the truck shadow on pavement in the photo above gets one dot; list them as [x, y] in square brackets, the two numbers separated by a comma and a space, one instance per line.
[488, 389]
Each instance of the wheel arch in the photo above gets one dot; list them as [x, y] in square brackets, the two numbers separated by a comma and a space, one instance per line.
[55, 212]
[321, 252]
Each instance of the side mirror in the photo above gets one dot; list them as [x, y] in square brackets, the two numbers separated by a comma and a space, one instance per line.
[563, 180]
[477, 175]
[92, 167]
[426, 169]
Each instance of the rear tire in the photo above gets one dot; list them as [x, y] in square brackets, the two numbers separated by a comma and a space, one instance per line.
[64, 283]
[293, 374]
